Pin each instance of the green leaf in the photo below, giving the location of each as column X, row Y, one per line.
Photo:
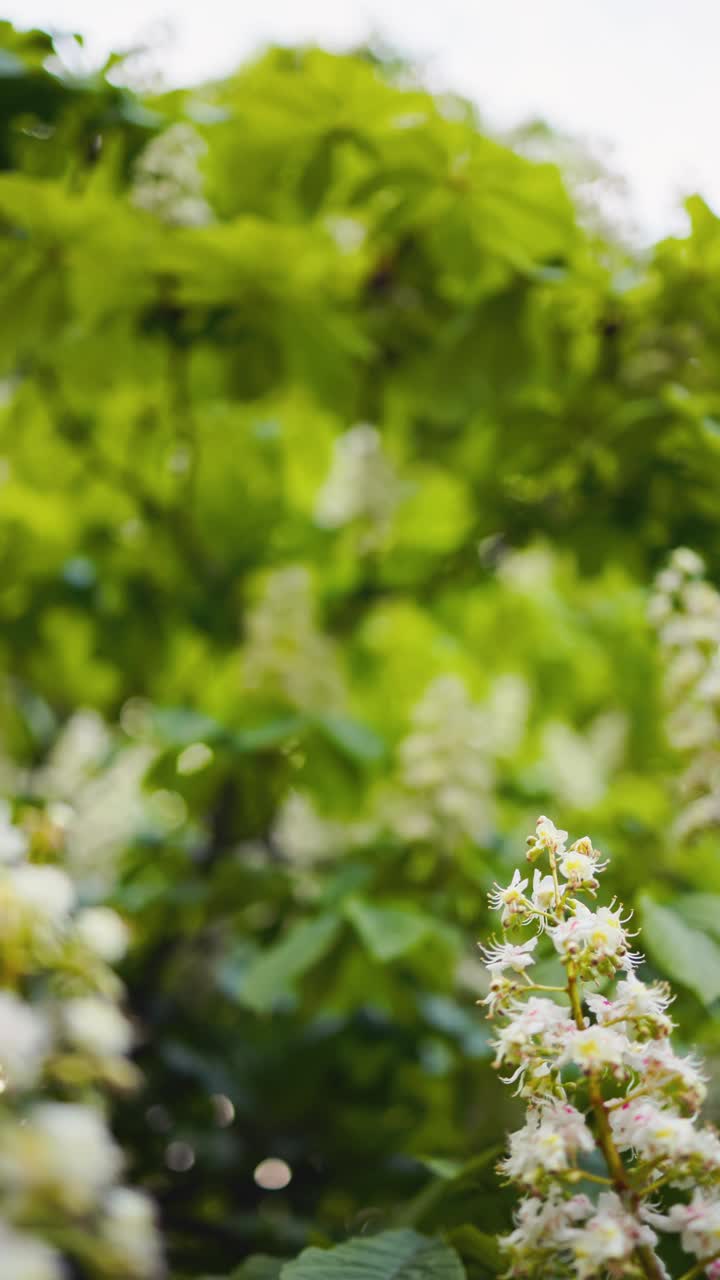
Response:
column 441, row 1167
column 388, row 932
column 702, row 910
column 180, row 726
column 392, row 1255
column 454, row 1019
column 681, row 951
column 354, row 739
column 259, row 1267
column 272, row 734
column 451, row 1177
column 273, row 973
column 317, row 176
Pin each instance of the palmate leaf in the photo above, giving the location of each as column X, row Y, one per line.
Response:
column 680, row 950
column 274, row 971
column 387, row 931
column 392, row 1255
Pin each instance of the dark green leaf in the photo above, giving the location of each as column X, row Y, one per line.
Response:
column 393, row 1255
column 274, row 972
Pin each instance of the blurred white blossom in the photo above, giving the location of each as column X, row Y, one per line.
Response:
column 40, row 897
column 286, row 656
column 168, row 180
column 62, row 1153
column 579, row 766
column 307, row 837
column 128, row 1226
column 362, row 486
column 96, row 1026
column 25, row 1040
column 103, row 931
column 304, row 835
column 95, row 795
column 83, row 743
column 528, row 571
column 61, row 1024
column 507, row 705
column 13, row 841
column 685, row 611
column 445, row 781
column 24, row 1257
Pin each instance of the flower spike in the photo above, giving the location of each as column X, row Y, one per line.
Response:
column 635, row 1102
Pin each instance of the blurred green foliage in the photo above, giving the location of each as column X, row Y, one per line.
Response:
column 203, row 294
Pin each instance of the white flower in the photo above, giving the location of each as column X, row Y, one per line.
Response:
column 598, row 937
column 285, row 653
column 24, row 1257
column 542, row 1224
column 63, row 1151
column 512, row 899
column 603, row 931
column 687, row 562
column 550, row 1140
column 45, row 892
column 168, row 179
column 128, row 1227
column 698, row 1222
column 362, row 485
column 543, row 891
column 503, row 991
column 661, row 1069
column 653, row 1132
column 568, row 936
column 539, row 1023
column 653, row 1123
column 13, row 841
column 103, row 931
column 445, row 784
column 595, row 1047
column 547, row 839
column 635, row 1003
column 96, row 1026
column 509, row 955
column 578, row 870
column 580, row 863
column 24, row 1042
column 609, row 1236
column 704, row 1152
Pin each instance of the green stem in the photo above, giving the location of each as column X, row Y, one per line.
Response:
column 581, row 1175
column 556, row 882
column 643, row 1253
column 539, row 986
column 700, row 1266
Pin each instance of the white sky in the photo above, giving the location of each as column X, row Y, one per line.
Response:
column 639, row 75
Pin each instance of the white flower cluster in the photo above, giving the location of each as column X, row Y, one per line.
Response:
column 579, row 766
column 308, row 838
column 362, row 487
column 609, row 1101
column 168, row 181
column 285, row 655
column 442, row 790
column 94, row 797
column 685, row 610
column 446, row 774
column 62, row 1034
